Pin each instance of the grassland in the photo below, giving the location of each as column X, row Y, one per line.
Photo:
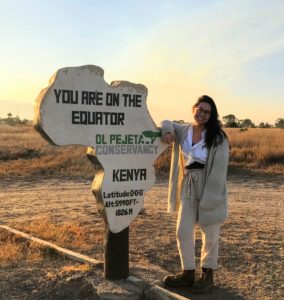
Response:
column 15, row 249
column 24, row 153
column 61, row 209
column 258, row 149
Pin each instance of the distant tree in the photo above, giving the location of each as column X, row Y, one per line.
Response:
column 264, row 125
column 10, row 120
column 25, row 121
column 279, row 123
column 246, row 123
column 230, row 121
column 17, row 120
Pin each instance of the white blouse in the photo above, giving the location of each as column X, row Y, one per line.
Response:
column 197, row 152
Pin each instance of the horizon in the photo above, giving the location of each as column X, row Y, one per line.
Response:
column 231, row 51
column 15, row 107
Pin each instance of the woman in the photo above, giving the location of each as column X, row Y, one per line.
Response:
column 198, row 177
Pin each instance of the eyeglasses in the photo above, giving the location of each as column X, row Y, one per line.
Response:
column 204, row 111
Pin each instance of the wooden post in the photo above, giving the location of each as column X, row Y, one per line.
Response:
column 116, row 245
column 116, row 254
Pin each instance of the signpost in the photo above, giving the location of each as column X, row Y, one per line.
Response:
column 79, row 107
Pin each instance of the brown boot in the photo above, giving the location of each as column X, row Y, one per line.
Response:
column 184, row 278
column 205, row 282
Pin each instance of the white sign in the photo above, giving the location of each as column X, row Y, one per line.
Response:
column 79, row 107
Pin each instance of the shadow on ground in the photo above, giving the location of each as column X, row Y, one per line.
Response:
column 216, row 293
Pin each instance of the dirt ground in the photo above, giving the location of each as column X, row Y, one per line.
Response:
column 251, row 244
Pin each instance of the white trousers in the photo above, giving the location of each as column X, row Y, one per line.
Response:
column 187, row 222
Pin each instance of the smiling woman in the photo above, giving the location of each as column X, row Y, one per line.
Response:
column 200, row 157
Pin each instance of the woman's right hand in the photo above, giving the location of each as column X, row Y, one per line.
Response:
column 167, row 138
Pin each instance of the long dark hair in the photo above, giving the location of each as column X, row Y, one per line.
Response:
column 214, row 132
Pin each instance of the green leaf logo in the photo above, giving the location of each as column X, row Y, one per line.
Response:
column 151, row 135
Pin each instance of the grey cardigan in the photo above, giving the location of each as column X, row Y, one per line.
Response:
column 213, row 205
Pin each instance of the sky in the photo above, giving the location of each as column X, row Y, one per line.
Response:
column 231, row 50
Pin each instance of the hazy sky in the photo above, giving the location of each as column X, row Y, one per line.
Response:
column 230, row 50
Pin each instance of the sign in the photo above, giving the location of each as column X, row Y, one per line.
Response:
column 79, row 107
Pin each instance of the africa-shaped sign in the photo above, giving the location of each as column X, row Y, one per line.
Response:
column 79, row 107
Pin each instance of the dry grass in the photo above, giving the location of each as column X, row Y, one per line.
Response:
column 253, row 149
column 14, row 249
column 257, row 149
column 69, row 269
column 24, row 153
column 68, row 234
column 75, row 268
